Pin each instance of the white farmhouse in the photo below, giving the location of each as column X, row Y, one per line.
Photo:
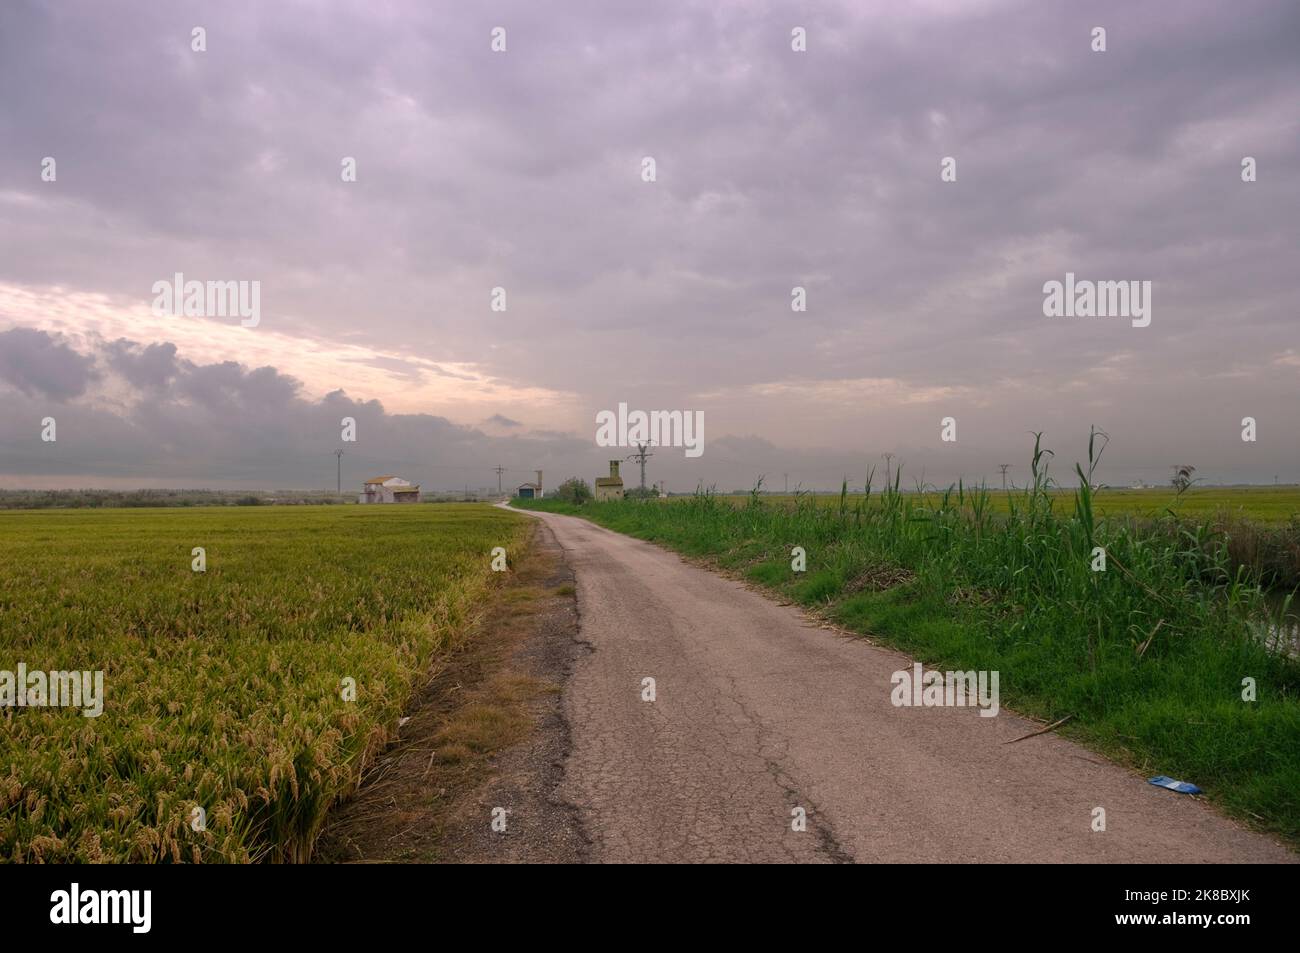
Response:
column 389, row 489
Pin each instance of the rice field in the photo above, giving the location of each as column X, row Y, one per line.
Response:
column 228, row 725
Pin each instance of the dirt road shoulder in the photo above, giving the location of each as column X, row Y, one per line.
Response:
column 485, row 742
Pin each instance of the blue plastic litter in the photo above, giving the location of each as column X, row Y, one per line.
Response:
column 1182, row 787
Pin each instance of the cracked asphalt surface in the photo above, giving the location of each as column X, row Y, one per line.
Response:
column 759, row 712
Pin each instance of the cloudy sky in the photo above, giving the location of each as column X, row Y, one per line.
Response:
column 522, row 169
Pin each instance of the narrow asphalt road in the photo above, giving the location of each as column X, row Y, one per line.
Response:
column 758, row 713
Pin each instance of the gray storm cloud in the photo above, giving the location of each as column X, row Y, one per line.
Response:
column 775, row 169
column 227, row 425
column 38, row 364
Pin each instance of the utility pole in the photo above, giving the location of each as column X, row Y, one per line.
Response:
column 1003, row 467
column 500, row 470
column 787, row 483
column 339, row 454
column 640, row 457
column 888, row 457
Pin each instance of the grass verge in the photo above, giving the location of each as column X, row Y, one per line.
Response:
column 1149, row 654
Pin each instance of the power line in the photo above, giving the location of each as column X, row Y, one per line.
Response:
column 640, row 456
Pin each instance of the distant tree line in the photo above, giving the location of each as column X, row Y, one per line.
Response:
column 101, row 499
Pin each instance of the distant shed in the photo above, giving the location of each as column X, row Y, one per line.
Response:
column 610, row 487
column 530, row 491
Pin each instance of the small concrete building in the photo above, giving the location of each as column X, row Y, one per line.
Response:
column 530, row 491
column 610, row 487
column 389, row 489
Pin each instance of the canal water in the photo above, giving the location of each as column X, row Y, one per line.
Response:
column 1281, row 632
